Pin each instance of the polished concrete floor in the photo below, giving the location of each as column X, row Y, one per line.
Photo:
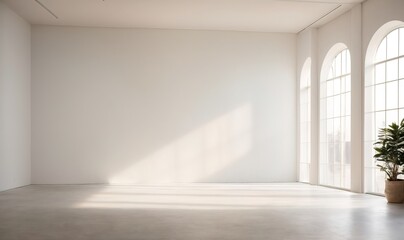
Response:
column 204, row 211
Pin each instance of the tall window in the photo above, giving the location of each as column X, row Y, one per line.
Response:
column 305, row 111
column 335, row 123
column 384, row 100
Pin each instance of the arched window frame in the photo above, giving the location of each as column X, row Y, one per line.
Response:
column 379, row 110
column 335, row 113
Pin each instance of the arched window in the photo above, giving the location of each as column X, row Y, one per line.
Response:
column 384, row 95
column 304, row 116
column 335, row 119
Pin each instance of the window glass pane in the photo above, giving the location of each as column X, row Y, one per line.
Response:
column 347, row 176
column 337, row 155
column 330, row 152
column 381, row 51
column 348, row 61
column 380, row 97
column 379, row 180
column 323, row 109
column 400, row 115
column 347, row 129
column 330, row 174
column 343, row 83
column 337, row 106
column 343, row 128
column 323, row 153
column 348, row 83
column 330, row 107
column 330, row 88
column 369, row 183
column 347, row 163
column 330, row 130
column 337, row 130
column 370, row 80
column 348, row 104
column 337, row 86
column 392, row 44
column 380, row 121
column 391, row 116
column 380, row 73
column 323, row 171
column 337, row 174
column 323, row 132
column 343, row 105
column 333, row 131
column 369, row 127
column 392, row 95
column 392, row 70
column 401, row 95
column 369, row 153
column 330, row 73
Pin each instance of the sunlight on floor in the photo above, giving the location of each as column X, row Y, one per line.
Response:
column 221, row 196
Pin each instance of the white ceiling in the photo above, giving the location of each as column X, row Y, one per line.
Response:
column 241, row 15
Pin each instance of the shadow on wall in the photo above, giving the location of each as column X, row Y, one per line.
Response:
column 197, row 155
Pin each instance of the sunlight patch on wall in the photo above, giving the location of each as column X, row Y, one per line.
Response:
column 196, row 155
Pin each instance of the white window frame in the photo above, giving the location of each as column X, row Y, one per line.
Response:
column 373, row 178
column 345, row 168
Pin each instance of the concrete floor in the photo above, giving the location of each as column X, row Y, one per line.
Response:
column 203, row 211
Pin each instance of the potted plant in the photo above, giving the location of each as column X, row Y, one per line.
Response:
column 390, row 154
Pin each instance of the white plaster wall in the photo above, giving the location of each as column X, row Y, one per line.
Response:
column 15, row 121
column 141, row 106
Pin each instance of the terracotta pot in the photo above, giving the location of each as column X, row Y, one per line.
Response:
column 394, row 191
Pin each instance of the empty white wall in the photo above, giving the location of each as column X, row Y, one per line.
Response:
column 162, row 106
column 15, row 120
